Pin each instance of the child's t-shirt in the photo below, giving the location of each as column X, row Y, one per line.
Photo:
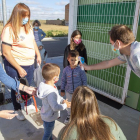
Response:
column 36, row 36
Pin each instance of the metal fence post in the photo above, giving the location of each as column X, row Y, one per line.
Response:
column 4, row 12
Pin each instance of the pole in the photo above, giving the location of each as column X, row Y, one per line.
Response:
column 4, row 12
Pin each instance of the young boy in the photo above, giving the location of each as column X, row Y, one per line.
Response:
column 72, row 77
column 52, row 102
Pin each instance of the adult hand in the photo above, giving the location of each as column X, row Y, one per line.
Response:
column 86, row 67
column 38, row 60
column 6, row 114
column 30, row 90
column 62, row 94
column 22, row 72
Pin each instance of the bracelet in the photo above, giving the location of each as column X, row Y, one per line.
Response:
column 23, row 88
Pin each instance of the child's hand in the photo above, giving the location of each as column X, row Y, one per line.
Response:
column 62, row 94
column 67, row 103
column 40, row 47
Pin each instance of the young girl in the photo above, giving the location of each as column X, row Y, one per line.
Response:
column 39, row 35
column 86, row 122
column 75, row 44
column 19, row 49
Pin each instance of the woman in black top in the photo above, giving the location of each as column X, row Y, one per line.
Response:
column 75, row 44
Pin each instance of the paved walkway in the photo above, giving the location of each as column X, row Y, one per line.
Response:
column 127, row 118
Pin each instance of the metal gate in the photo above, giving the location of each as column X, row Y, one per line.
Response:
column 94, row 18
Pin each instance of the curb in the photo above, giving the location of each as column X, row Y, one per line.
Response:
column 54, row 38
column 55, row 57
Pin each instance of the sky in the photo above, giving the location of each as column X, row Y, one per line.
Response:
column 40, row 9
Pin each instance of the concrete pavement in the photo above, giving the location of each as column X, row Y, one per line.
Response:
column 58, row 44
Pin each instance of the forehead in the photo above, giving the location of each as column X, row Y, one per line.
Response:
column 36, row 23
column 111, row 41
column 25, row 13
column 73, row 58
column 77, row 36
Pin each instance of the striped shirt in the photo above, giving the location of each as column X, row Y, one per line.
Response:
column 134, row 59
column 36, row 36
column 72, row 78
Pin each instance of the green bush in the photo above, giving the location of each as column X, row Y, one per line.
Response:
column 55, row 33
column 49, row 34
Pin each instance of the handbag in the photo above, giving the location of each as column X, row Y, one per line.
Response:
column 22, row 96
column 38, row 78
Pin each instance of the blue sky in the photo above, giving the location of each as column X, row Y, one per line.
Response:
column 41, row 9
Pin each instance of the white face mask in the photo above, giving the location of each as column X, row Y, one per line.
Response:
column 56, row 77
column 25, row 20
column 116, row 51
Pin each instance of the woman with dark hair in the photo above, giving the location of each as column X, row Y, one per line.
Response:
column 19, row 49
column 75, row 44
column 86, row 122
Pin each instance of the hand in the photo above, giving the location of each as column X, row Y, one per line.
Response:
column 62, row 94
column 38, row 60
column 30, row 90
column 86, row 67
column 40, row 47
column 6, row 114
column 22, row 72
column 67, row 103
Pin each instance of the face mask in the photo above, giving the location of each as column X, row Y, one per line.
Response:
column 24, row 20
column 36, row 27
column 116, row 51
column 55, row 80
column 77, row 41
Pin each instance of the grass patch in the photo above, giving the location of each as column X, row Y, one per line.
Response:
column 56, row 33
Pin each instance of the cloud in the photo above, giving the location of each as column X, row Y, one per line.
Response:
column 62, row 3
column 40, row 11
column 35, row 9
column 46, row 8
column 47, row 15
column 43, row 13
column 28, row 2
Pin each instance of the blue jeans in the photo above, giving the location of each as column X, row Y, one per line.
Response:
column 48, row 128
column 12, row 72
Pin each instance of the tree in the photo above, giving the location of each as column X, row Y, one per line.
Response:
column 58, row 19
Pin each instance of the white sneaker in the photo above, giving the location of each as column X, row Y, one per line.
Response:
column 67, row 120
column 20, row 115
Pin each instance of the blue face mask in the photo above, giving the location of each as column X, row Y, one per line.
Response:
column 36, row 27
column 116, row 51
column 25, row 20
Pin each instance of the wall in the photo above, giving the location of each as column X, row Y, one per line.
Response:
column 54, row 22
